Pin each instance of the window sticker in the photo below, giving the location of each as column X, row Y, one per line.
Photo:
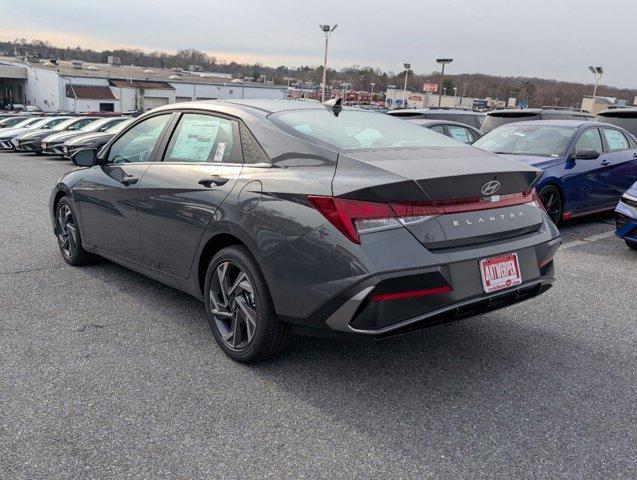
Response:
column 615, row 139
column 195, row 140
column 221, row 148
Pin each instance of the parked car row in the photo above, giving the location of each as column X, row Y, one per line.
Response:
column 587, row 163
column 59, row 135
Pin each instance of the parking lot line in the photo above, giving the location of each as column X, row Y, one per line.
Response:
column 592, row 238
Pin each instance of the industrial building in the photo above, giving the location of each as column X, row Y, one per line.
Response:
column 82, row 87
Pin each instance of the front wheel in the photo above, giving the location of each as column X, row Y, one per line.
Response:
column 240, row 309
column 631, row 244
column 551, row 198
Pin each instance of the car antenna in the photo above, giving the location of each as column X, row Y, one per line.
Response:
column 334, row 105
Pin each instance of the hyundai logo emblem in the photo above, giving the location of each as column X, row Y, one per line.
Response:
column 491, row 187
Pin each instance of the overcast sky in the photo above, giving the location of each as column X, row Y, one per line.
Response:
column 544, row 38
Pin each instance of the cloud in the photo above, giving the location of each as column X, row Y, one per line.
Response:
column 544, row 38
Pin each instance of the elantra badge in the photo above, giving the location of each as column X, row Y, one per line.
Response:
column 490, row 188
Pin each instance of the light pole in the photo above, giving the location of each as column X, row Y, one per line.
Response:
column 597, row 72
column 327, row 31
column 371, row 95
column 407, row 67
column 345, row 86
column 443, row 62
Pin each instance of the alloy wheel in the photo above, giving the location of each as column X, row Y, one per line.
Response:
column 233, row 305
column 552, row 201
column 67, row 231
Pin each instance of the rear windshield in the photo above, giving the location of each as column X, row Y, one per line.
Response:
column 627, row 121
column 496, row 119
column 535, row 140
column 353, row 129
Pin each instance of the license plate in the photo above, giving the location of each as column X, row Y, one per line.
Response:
column 500, row 272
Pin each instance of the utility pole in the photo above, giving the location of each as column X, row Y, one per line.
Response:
column 327, row 31
column 443, row 62
column 407, row 67
column 597, row 72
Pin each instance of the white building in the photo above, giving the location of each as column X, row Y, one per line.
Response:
column 76, row 86
column 394, row 99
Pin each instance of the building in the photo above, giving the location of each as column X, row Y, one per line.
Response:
column 394, row 99
column 13, row 83
column 600, row 103
column 82, row 87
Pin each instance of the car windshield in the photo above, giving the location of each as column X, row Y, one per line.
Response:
column 118, row 127
column 10, row 122
column 537, row 140
column 99, row 125
column 63, row 124
column 353, row 129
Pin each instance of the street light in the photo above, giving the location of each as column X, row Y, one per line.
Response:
column 407, row 67
column 327, row 31
column 443, row 62
column 597, row 72
column 371, row 95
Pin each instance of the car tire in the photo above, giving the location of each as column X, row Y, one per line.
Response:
column 240, row 309
column 631, row 244
column 68, row 235
column 551, row 198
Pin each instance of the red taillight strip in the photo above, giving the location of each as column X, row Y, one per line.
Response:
column 383, row 297
column 343, row 212
column 461, row 205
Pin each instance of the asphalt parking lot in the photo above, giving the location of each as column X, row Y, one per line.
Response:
column 107, row 374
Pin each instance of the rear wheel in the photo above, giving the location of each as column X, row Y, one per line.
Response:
column 552, row 200
column 68, row 235
column 631, row 244
column 240, row 310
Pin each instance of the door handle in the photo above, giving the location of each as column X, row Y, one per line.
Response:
column 214, row 180
column 605, row 162
column 129, row 180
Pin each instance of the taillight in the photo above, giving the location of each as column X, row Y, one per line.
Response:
column 354, row 217
column 535, row 200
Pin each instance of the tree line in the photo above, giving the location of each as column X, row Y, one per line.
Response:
column 537, row 91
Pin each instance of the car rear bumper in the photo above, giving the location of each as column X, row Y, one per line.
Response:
column 448, row 284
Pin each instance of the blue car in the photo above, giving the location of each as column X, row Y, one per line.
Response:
column 626, row 217
column 587, row 166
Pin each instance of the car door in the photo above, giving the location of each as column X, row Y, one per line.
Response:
column 180, row 194
column 108, row 193
column 583, row 179
column 621, row 154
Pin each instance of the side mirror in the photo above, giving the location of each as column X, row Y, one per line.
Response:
column 85, row 158
column 586, row 154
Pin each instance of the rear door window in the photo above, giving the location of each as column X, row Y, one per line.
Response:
column 615, row 140
column 204, row 138
column 438, row 128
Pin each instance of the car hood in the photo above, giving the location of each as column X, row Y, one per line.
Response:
column 432, row 173
column 534, row 160
column 33, row 134
column 62, row 136
column 89, row 137
column 13, row 132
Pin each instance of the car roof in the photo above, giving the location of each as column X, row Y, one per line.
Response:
column 559, row 123
column 437, row 121
column 455, row 111
column 536, row 111
column 629, row 112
